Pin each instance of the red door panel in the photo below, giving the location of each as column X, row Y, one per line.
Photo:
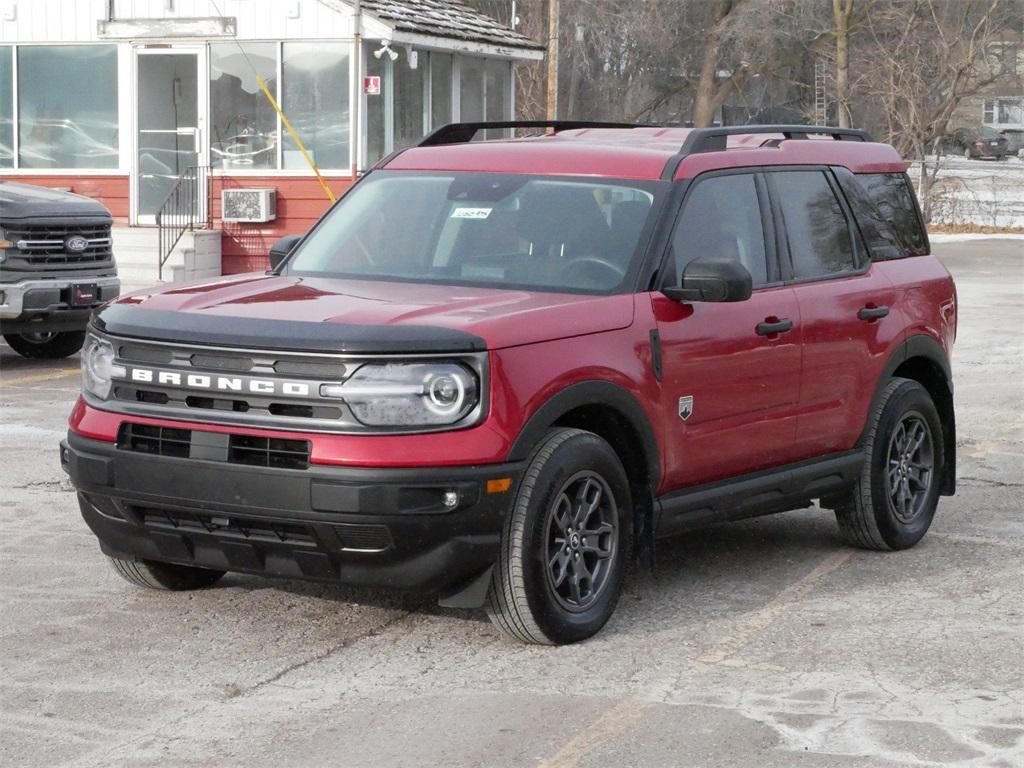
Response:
column 745, row 386
column 843, row 356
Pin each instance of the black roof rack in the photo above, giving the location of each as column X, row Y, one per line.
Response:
column 460, row 133
column 714, row 139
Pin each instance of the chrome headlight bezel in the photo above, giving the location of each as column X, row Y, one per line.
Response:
column 98, row 366
column 412, row 394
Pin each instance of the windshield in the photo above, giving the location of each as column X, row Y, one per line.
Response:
column 493, row 230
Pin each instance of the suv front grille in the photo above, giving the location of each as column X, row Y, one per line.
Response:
column 245, row 387
column 38, row 246
column 274, row 452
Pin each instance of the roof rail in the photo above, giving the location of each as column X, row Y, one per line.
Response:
column 460, row 133
column 714, row 139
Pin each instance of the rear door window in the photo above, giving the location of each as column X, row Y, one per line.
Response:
column 818, row 232
column 894, row 198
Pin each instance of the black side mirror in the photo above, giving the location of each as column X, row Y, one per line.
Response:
column 713, row 280
column 280, row 250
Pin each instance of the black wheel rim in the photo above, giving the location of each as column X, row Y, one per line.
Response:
column 911, row 467
column 582, row 537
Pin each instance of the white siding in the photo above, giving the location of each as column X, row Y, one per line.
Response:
column 70, row 21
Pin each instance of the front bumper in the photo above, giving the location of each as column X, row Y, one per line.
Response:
column 372, row 527
column 48, row 301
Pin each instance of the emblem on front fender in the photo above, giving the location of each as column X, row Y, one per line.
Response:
column 685, row 407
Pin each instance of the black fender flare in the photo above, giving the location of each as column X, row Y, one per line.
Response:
column 583, row 393
column 929, row 349
column 917, row 345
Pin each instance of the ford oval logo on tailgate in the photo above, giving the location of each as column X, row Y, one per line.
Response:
column 75, row 244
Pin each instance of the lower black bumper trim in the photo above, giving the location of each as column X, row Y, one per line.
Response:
column 371, row 527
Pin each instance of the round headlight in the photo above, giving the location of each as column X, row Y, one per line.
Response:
column 445, row 394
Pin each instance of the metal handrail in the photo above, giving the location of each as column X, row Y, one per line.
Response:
column 185, row 208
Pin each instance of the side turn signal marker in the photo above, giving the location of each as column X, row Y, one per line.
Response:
column 501, row 485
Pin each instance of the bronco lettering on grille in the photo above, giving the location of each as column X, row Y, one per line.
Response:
column 217, row 383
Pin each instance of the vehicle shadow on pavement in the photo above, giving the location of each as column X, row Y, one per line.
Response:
column 710, row 564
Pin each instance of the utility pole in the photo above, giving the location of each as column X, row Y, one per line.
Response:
column 552, row 59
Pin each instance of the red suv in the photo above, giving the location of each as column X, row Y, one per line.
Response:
column 496, row 370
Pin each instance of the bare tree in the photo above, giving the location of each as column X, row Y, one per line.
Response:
column 921, row 60
column 712, row 91
column 842, row 12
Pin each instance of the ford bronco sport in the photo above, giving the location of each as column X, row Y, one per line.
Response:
column 56, row 264
column 496, row 369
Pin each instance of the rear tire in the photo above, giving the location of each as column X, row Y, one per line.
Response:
column 893, row 503
column 566, row 542
column 44, row 345
column 168, row 576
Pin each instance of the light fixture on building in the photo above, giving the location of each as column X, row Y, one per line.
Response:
column 411, row 56
column 385, row 47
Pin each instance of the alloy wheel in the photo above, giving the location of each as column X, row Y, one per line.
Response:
column 910, row 468
column 582, row 540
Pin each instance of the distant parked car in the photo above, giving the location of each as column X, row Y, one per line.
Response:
column 980, row 142
column 1015, row 141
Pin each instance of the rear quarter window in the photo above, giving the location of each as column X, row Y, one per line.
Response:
column 893, row 198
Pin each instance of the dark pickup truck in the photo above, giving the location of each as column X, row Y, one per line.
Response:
column 56, row 264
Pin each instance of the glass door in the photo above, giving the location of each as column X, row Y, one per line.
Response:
column 168, row 126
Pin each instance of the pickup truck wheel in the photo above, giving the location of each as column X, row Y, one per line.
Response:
column 894, row 501
column 154, row 575
column 566, row 542
column 43, row 344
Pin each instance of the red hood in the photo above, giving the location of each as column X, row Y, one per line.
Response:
column 503, row 318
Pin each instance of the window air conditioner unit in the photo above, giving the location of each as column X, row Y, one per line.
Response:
column 248, row 205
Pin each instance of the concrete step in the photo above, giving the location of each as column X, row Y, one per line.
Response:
column 136, row 249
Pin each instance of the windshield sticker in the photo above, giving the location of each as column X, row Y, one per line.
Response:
column 471, row 213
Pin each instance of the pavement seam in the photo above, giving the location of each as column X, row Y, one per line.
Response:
column 756, row 622
column 612, row 723
column 33, row 377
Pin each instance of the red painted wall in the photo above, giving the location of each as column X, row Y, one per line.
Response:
column 300, row 202
column 244, row 247
column 112, row 191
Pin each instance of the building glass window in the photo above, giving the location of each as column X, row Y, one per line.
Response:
column 6, row 106
column 997, row 112
column 440, row 89
column 409, row 89
column 498, row 104
column 471, row 89
column 315, row 98
column 243, row 125
column 67, row 106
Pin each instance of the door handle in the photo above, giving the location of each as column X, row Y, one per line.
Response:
column 870, row 313
column 773, row 325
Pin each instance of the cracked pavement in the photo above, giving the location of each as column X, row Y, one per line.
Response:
column 762, row 643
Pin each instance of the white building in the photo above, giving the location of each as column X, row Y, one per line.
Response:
column 122, row 99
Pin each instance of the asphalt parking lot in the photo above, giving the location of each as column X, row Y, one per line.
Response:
column 765, row 643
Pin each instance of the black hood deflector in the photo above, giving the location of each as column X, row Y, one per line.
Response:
column 289, row 335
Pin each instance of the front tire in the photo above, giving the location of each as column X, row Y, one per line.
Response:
column 168, row 576
column 894, row 501
column 46, row 345
column 566, row 542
